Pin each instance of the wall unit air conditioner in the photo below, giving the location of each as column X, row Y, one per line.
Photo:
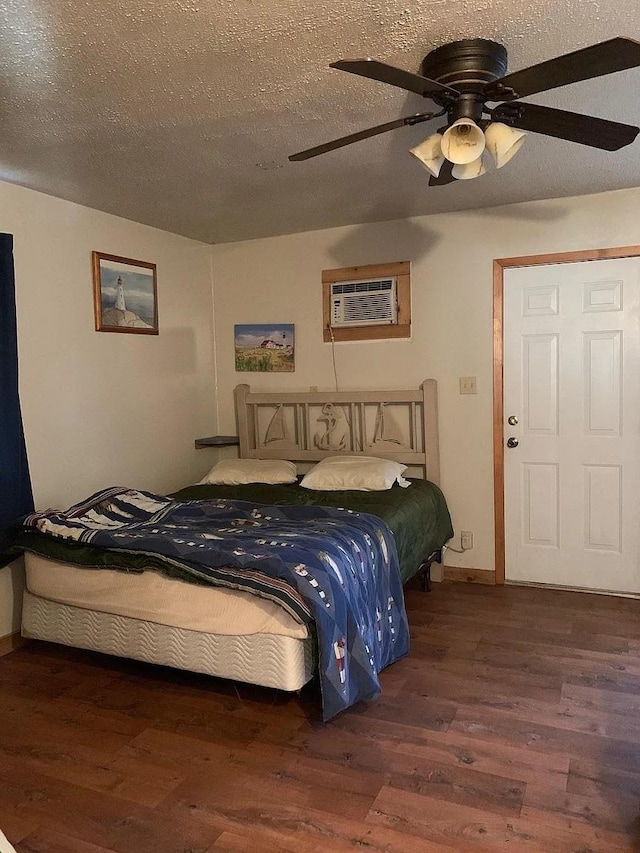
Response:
column 364, row 303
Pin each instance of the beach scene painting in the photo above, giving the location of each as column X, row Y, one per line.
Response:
column 265, row 347
column 125, row 295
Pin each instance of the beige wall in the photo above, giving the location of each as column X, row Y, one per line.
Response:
column 101, row 409
column 278, row 280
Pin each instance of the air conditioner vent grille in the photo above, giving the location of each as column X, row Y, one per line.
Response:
column 364, row 286
column 364, row 303
column 366, row 308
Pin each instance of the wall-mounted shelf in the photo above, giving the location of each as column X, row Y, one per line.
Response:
column 218, row 441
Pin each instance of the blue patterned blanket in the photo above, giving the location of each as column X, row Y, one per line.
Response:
column 340, row 567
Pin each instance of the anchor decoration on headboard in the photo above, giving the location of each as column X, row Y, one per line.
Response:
column 337, row 430
column 336, row 426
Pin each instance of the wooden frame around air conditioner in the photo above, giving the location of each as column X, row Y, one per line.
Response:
column 401, row 271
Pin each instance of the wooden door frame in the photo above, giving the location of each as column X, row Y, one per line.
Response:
column 499, row 266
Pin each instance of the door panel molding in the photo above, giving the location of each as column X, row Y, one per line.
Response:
column 546, row 348
column 499, row 266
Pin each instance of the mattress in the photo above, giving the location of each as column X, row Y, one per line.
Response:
column 271, row 660
column 152, row 597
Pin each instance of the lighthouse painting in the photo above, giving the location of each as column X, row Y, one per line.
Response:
column 264, row 347
column 125, row 295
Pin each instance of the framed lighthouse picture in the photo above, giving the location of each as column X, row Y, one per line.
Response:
column 125, row 297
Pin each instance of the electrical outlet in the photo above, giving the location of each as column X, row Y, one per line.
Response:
column 468, row 384
column 313, row 388
column 466, row 540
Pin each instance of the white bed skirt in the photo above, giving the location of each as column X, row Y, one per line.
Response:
column 285, row 663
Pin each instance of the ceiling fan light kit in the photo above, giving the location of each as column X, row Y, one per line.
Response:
column 467, row 151
column 463, row 77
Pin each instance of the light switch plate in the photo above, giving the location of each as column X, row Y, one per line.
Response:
column 468, row 384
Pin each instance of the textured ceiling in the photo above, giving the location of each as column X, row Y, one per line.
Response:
column 181, row 113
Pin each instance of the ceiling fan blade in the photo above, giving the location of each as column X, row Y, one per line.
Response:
column 445, row 176
column 575, row 127
column 616, row 54
column 375, row 70
column 361, row 134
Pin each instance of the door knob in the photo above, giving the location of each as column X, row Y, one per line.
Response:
column 512, row 420
column 512, row 442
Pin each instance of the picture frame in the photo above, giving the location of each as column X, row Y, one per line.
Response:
column 125, row 295
column 264, row 347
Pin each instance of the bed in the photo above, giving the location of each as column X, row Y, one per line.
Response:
column 127, row 611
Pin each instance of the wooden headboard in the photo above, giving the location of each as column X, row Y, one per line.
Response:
column 307, row 427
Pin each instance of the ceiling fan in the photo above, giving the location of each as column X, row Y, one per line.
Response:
column 462, row 77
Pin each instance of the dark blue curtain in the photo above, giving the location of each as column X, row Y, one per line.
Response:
column 16, row 497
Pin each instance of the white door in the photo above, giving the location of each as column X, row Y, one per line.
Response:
column 572, row 380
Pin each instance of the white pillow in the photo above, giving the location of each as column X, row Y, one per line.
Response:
column 358, row 473
column 238, row 472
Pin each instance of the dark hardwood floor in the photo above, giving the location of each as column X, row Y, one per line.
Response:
column 513, row 725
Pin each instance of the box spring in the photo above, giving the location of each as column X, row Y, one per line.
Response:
column 285, row 663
